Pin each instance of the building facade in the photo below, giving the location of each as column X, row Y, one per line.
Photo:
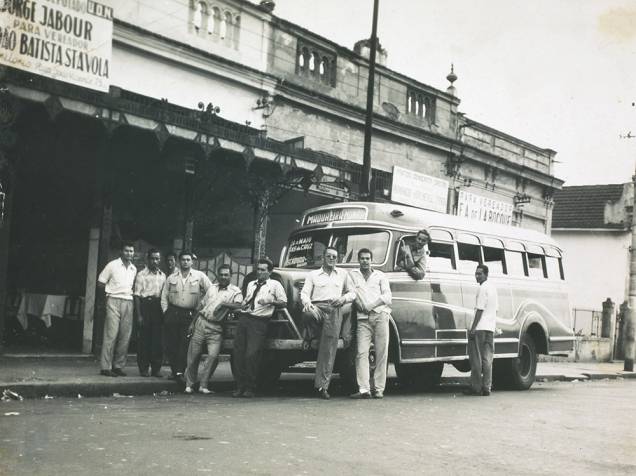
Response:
column 592, row 223
column 205, row 123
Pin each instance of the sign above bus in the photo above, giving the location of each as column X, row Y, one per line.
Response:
column 419, row 190
column 335, row 214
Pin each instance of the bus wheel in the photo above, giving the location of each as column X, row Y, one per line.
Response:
column 517, row 373
column 420, row 376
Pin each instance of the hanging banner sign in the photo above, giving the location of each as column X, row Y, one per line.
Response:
column 485, row 209
column 419, row 190
column 67, row 40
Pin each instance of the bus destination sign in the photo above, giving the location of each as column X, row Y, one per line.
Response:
column 335, row 214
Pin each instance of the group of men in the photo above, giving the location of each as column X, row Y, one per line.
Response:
column 185, row 306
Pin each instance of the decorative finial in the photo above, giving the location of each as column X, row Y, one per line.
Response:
column 452, row 77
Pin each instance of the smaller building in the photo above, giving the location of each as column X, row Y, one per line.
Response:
column 592, row 223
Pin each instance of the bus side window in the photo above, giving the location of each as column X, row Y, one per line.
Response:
column 469, row 257
column 494, row 259
column 536, row 266
column 514, row 263
column 554, row 268
column 441, row 257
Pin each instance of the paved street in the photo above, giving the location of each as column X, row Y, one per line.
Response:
column 555, row 428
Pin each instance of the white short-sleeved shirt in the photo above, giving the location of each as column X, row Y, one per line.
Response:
column 488, row 303
column 118, row 279
column 270, row 291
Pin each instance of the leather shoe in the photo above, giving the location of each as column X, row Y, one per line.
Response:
column 360, row 395
column 205, row 391
column 119, row 372
column 485, row 392
column 378, row 395
column 322, row 393
column 107, row 373
column 237, row 393
column 248, row 394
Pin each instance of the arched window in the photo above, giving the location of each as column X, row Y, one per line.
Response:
column 312, row 62
column 237, row 31
column 422, row 107
column 223, row 28
column 300, row 62
column 214, row 26
column 325, row 70
column 197, row 17
column 229, row 27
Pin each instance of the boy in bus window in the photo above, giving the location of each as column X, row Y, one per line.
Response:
column 412, row 257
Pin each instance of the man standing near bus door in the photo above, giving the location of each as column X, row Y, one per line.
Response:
column 322, row 297
column 180, row 300
column 412, row 258
column 117, row 279
column 481, row 335
column 262, row 297
column 370, row 290
column 207, row 328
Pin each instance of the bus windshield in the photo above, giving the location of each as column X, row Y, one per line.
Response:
column 305, row 249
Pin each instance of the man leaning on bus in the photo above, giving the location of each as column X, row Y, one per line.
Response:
column 370, row 290
column 481, row 335
column 322, row 297
column 412, row 258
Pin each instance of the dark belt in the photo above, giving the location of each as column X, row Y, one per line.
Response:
column 182, row 309
column 151, row 298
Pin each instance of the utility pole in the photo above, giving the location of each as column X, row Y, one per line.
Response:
column 365, row 182
column 630, row 317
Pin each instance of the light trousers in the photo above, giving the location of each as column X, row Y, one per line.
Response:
column 327, row 326
column 117, row 331
column 206, row 334
column 480, row 354
column 374, row 330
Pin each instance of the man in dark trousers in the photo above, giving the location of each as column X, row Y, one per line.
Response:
column 180, row 300
column 117, row 279
column 481, row 335
column 262, row 297
column 147, row 297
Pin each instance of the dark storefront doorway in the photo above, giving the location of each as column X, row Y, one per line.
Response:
column 52, row 208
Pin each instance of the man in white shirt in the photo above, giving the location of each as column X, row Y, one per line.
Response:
column 370, row 290
column 322, row 297
column 117, row 279
column 207, row 329
column 481, row 335
column 262, row 297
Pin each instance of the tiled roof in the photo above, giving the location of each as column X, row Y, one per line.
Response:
column 583, row 206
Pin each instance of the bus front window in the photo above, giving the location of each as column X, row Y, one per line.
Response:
column 305, row 249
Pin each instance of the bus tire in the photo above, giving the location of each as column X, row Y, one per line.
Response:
column 518, row 373
column 420, row 376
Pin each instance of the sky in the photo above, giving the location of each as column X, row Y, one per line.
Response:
column 560, row 74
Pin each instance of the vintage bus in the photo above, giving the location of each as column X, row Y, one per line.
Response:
column 430, row 317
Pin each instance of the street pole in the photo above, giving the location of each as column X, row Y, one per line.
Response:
column 630, row 317
column 365, row 181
